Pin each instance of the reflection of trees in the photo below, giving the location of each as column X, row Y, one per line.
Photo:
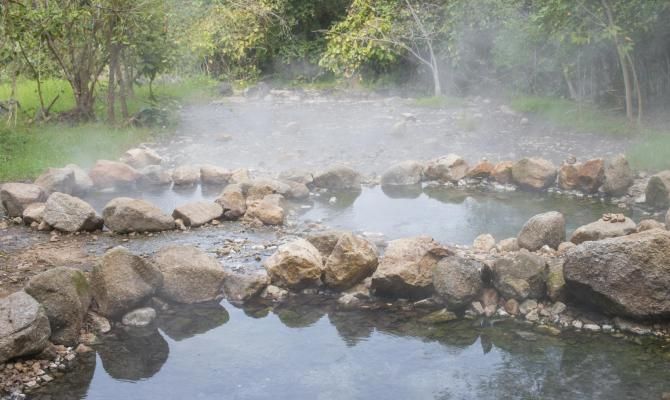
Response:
column 185, row 321
column 403, row 191
column 133, row 355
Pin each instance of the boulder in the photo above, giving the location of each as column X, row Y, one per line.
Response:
column 482, row 170
column 618, row 176
column 449, row 168
column 240, row 175
column 404, row 173
column 155, row 175
column 623, row 276
column 352, row 260
column 297, row 175
column 213, row 175
column 502, row 172
column 189, row 274
column 232, row 201
column 82, row 182
column 186, row 175
column 520, row 276
column 295, row 265
column 267, row 210
column 198, row 213
column 644, row 225
column 70, row 214
column 508, row 245
column 24, row 326
column 658, row 190
column 406, row 270
column 542, row 229
column 457, row 281
column 534, row 173
column 603, row 229
column 139, row 318
column 484, row 243
column 586, row 177
column 141, row 157
column 260, row 187
column 555, row 279
column 240, row 287
column 296, row 190
column 325, row 241
column 65, row 295
column 667, row 220
column 57, row 180
column 15, row 197
column 107, row 174
column 123, row 215
column 338, row 178
column 121, row 281
column 33, row 213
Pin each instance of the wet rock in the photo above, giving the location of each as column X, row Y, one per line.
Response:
column 297, row 175
column 542, row 229
column 274, row 293
column 121, row 281
column 124, row 215
column 57, row 180
column 82, row 182
column 70, row 214
column 404, row 173
column 352, row 259
column 512, row 307
column 520, row 276
column 534, row 173
column 107, row 174
column 24, row 326
column 406, row 270
column 502, row 172
column 269, row 210
column 15, row 197
column 438, row 317
column 338, row 178
column 155, row 175
column 481, row 170
column 295, row 265
column 241, row 287
column 213, row 175
column 189, row 275
column 33, row 213
column 527, row 306
column 626, row 276
column 603, row 229
column 658, row 190
column 232, row 201
column 141, row 157
column 186, row 175
column 297, row 191
column 98, row 323
column 65, row 295
column 457, row 281
column 484, row 243
column 586, row 177
column 644, row 225
column 449, row 168
column 555, row 279
column 261, row 187
column 139, row 318
column 198, row 213
column 618, row 176
column 325, row 241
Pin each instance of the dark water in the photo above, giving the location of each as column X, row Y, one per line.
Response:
column 315, row 351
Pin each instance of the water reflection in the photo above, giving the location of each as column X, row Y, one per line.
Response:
column 185, row 321
column 133, row 355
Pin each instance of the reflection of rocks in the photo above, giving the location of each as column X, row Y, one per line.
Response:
column 133, row 355
column 353, row 327
column 185, row 321
column 445, row 196
column 403, row 192
column 343, row 199
column 298, row 315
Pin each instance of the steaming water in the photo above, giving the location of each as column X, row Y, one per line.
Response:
column 314, row 351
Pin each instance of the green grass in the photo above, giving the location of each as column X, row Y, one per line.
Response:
column 439, row 102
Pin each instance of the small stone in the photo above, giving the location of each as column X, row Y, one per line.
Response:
column 533, row 316
column 527, row 306
column 577, row 324
column 82, row 348
column 477, row 308
column 512, row 306
column 558, row 308
column 140, row 317
column 591, row 327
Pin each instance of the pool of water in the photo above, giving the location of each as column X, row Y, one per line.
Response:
column 308, row 350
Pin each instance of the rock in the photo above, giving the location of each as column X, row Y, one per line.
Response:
column 348, row 300
column 555, row 280
column 120, row 281
column 297, row 175
column 644, row 225
column 82, row 182
column 186, row 175
column 489, row 297
column 232, row 201
column 124, row 215
column 587, row 176
column 482, row 170
column 33, row 213
column 603, row 229
column 98, row 323
column 139, row 318
column 534, row 173
column 24, row 326
column 241, row 287
column 457, row 281
column 406, row 270
column 295, row 265
column 512, row 307
column 352, row 259
column 65, row 295
column 297, row 191
column 527, row 306
column 667, row 220
column 261, row 187
column 239, row 176
column 155, row 175
column 213, row 175
column 338, row 178
column 449, row 168
column 508, row 245
column 198, row 213
column 542, row 229
column 57, row 180
column 189, row 274
column 477, row 308
column 107, row 174
column 558, row 308
column 624, row 276
column 618, row 176
column 564, row 247
column 141, row 157
column 502, row 172
column 70, row 214
column 438, row 317
column 520, row 276
column 484, row 243
column 404, row 173
column 325, row 241
column 274, row 293
column 269, row 210
column 15, row 197
column 658, row 190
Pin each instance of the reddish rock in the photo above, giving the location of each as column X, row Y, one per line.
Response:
column 106, row 174
column 502, row 172
column 481, row 171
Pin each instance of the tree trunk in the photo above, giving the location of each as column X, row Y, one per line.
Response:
column 122, row 91
column 628, row 90
column 111, row 87
column 638, row 91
